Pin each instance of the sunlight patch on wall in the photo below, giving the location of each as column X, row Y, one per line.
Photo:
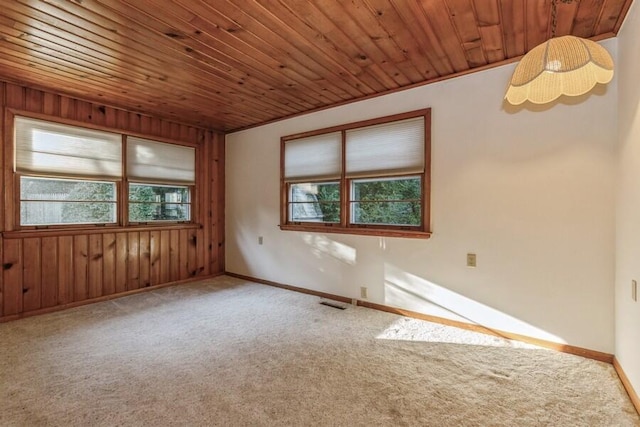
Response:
column 414, row 293
column 322, row 246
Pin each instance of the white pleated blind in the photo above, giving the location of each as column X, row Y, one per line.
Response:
column 313, row 158
column 386, row 149
column 62, row 150
column 153, row 161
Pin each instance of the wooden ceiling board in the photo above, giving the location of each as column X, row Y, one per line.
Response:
column 93, row 43
column 232, row 64
column 204, row 59
column 358, row 47
column 325, row 35
column 221, row 59
column 566, row 18
column 611, row 12
column 226, row 77
column 425, row 39
column 538, row 25
column 269, row 32
column 440, row 20
column 587, row 17
column 413, row 51
column 468, row 29
column 489, row 25
column 514, row 29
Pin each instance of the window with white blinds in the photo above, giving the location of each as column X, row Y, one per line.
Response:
column 53, row 149
column 71, row 175
column 153, row 161
column 314, row 158
column 150, row 164
column 386, row 149
column 371, row 175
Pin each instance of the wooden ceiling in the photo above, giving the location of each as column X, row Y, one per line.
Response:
column 231, row 64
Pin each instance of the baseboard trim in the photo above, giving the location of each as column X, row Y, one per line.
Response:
column 627, row 384
column 564, row 348
column 102, row 299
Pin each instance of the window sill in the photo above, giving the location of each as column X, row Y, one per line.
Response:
column 98, row 229
column 362, row 231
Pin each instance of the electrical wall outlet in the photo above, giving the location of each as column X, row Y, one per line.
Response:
column 634, row 290
column 260, row 240
column 363, row 292
column 471, row 260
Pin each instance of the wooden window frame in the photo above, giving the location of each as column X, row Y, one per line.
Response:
column 345, row 226
column 122, row 183
column 191, row 189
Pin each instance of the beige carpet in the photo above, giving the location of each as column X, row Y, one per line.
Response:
column 232, row 353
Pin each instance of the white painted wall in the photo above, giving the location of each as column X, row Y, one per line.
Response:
column 628, row 198
column 531, row 192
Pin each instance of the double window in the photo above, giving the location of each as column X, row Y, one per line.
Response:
column 363, row 178
column 73, row 175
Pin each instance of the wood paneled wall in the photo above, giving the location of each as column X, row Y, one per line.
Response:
column 43, row 270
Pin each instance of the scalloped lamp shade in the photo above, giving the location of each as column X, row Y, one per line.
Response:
column 564, row 65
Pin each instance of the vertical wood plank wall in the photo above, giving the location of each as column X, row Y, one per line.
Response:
column 47, row 269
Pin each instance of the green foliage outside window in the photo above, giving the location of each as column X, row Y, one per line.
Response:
column 141, row 212
column 394, row 201
column 63, row 201
column 158, row 203
column 387, row 201
column 93, row 192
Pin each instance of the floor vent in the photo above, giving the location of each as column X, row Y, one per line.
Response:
column 334, row 305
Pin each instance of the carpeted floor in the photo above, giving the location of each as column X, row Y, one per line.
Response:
column 232, row 353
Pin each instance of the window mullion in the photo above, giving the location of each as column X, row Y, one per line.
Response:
column 345, row 194
column 426, row 174
column 123, row 194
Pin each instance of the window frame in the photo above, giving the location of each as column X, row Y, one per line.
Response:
column 121, row 182
column 190, row 188
column 346, row 226
column 117, row 187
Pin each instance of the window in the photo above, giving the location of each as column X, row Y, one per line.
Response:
column 389, row 201
column 73, row 175
column 160, row 179
column 67, row 174
column 149, row 202
column 363, row 178
column 54, row 201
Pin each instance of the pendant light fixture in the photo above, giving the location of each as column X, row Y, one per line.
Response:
column 566, row 65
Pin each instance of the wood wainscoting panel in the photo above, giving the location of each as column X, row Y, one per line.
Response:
column 12, row 277
column 108, row 263
column 65, row 270
column 80, row 267
column 96, row 264
column 48, row 269
column 31, row 274
column 145, row 259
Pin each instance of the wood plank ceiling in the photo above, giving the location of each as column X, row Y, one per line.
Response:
column 231, row 64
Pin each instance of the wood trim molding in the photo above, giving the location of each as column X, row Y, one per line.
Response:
column 376, row 232
column 564, row 348
column 56, row 231
column 627, row 384
column 290, row 288
column 102, row 299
